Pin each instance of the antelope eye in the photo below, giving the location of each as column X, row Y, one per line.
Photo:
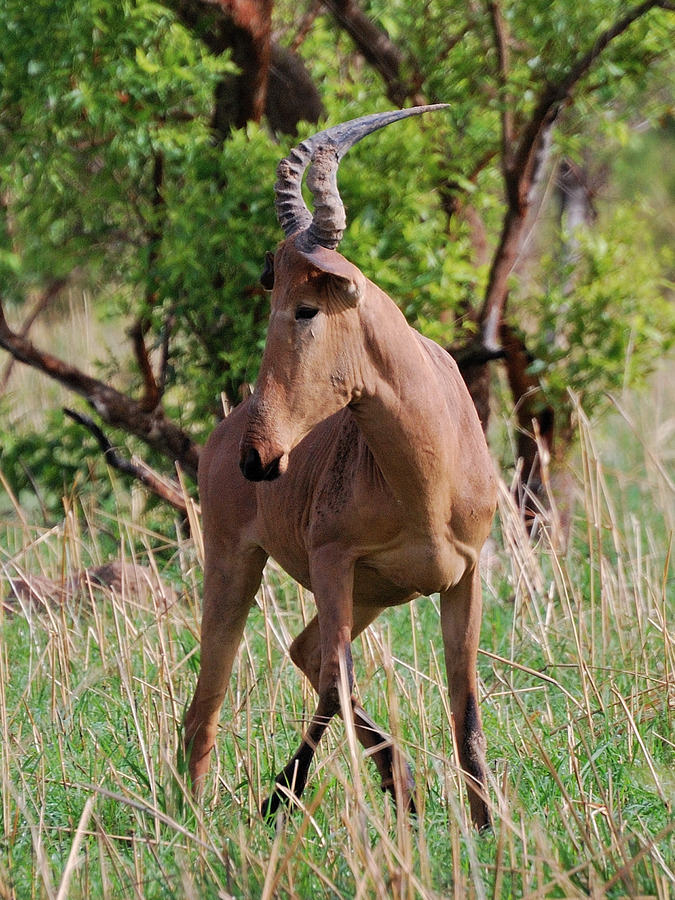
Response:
column 305, row 312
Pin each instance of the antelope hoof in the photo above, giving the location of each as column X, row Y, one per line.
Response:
column 271, row 806
column 483, row 822
column 403, row 791
column 288, row 789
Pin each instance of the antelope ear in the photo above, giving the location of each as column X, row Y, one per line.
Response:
column 267, row 276
column 345, row 282
column 346, row 291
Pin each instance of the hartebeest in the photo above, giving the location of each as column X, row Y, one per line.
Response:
column 365, row 476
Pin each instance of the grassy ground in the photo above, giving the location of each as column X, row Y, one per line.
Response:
column 577, row 679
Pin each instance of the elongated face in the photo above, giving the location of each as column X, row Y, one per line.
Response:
column 311, row 364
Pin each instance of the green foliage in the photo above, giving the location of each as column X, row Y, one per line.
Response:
column 109, row 169
column 89, row 93
column 61, row 466
column 219, row 221
column 42, row 469
column 612, row 324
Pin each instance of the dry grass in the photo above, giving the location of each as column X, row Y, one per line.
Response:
column 578, row 696
column 71, row 331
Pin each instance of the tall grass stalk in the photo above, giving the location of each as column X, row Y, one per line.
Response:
column 578, row 696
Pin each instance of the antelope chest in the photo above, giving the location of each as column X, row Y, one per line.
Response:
column 420, row 563
column 392, row 559
column 333, row 493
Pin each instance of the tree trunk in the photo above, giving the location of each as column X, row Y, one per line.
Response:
column 523, row 157
column 271, row 80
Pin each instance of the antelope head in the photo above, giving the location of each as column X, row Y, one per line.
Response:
column 311, row 364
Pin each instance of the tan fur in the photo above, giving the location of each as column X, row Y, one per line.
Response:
column 386, row 491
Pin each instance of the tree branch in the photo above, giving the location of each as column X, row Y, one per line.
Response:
column 243, row 28
column 166, row 489
column 271, row 79
column 379, row 50
column 452, row 40
column 502, row 46
column 164, row 358
column 51, row 291
column 115, row 408
column 152, row 393
column 556, row 93
column 305, row 25
column 535, row 417
column 584, row 63
column 522, row 173
column 137, row 332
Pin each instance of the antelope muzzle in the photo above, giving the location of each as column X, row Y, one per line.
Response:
column 253, row 468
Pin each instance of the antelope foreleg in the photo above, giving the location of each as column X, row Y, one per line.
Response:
column 395, row 773
column 229, row 589
column 332, row 582
column 291, row 781
column 460, row 623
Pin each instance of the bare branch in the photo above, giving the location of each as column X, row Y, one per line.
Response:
column 499, row 29
column 51, row 291
column 380, row 51
column 166, row 489
column 115, row 408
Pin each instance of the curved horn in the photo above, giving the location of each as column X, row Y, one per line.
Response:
column 324, row 151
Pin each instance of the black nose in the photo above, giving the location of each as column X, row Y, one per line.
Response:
column 253, row 469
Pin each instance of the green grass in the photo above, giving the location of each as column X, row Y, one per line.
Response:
column 577, row 678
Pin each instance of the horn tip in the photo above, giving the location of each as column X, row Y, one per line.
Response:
column 429, row 107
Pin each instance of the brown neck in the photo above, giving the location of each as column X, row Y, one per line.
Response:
column 401, row 408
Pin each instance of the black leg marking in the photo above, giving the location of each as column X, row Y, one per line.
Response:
column 473, row 759
column 293, row 778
